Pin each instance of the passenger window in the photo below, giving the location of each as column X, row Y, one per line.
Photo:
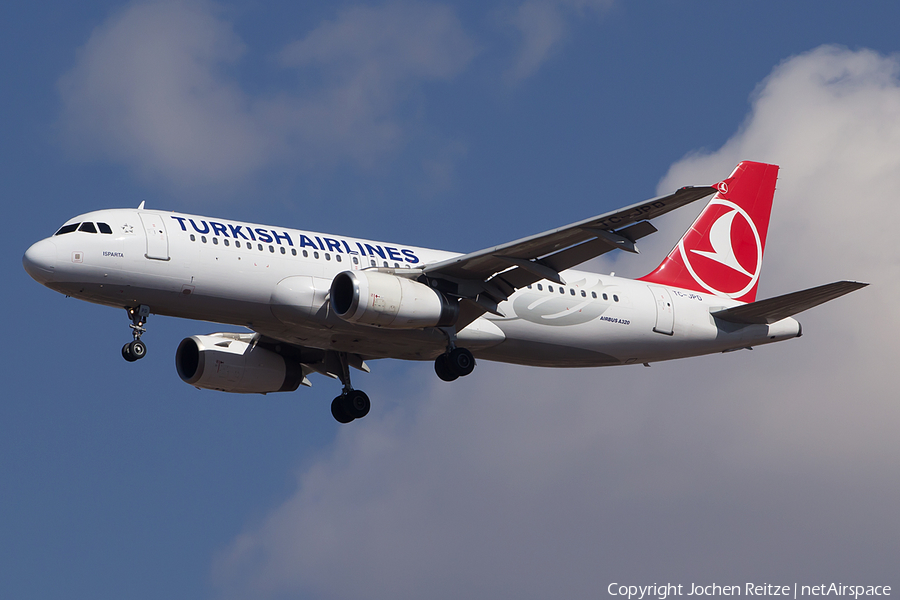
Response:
column 327, row 256
column 193, row 238
column 594, row 295
column 259, row 247
column 215, row 241
column 272, row 249
column 373, row 262
column 549, row 288
column 237, row 243
column 337, row 257
column 396, row 265
column 615, row 298
column 571, row 291
column 540, row 288
column 305, row 254
column 104, row 228
column 562, row 290
column 385, row 263
column 203, row 238
column 87, row 227
column 315, row 255
column 227, row 243
column 605, row 297
column 294, row 251
column 355, row 261
column 529, row 287
column 583, row 294
column 67, row 229
column 283, row 251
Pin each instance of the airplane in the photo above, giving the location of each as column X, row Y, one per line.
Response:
column 319, row 303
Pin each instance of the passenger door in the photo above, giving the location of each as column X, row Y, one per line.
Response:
column 157, row 240
column 665, row 312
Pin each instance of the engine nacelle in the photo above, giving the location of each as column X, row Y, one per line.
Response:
column 385, row 300
column 218, row 362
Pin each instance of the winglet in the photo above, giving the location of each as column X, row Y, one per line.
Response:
column 141, row 205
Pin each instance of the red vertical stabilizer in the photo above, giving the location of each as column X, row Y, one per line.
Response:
column 722, row 251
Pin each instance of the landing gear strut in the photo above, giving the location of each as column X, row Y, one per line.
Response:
column 455, row 362
column 136, row 350
column 351, row 404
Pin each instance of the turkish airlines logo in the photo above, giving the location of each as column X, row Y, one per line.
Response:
column 725, row 256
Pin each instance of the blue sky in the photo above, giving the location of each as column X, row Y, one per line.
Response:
column 456, row 126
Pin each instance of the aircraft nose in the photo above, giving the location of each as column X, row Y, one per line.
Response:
column 40, row 260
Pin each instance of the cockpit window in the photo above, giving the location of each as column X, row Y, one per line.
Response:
column 87, row 227
column 67, row 228
column 104, row 228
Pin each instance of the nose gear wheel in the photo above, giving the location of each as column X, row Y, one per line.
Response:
column 133, row 351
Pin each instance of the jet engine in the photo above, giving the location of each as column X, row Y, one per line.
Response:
column 229, row 364
column 385, row 300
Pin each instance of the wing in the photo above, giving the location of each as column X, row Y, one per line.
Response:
column 311, row 360
column 775, row 309
column 487, row 277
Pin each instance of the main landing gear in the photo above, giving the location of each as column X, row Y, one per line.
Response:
column 354, row 404
column 351, row 404
column 455, row 363
column 136, row 350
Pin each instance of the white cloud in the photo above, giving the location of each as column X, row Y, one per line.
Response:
column 155, row 88
column 543, row 25
column 831, row 119
column 369, row 57
column 777, row 464
column 151, row 89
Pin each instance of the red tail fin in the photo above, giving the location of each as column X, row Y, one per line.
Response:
column 722, row 252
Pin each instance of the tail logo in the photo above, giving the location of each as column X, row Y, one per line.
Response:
column 724, row 258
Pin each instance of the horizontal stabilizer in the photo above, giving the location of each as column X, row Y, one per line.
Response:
column 775, row 309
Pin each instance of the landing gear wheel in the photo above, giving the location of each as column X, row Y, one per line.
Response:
column 355, row 403
column 337, row 411
column 461, row 362
column 442, row 368
column 352, row 404
column 137, row 349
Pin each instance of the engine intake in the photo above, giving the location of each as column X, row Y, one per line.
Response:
column 385, row 300
column 217, row 362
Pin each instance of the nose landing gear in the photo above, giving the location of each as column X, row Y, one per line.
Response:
column 136, row 350
column 133, row 351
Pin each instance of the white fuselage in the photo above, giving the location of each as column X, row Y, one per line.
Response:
column 276, row 281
